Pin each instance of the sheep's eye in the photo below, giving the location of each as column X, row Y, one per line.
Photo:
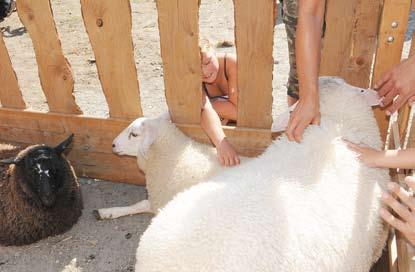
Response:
column 362, row 91
column 133, row 134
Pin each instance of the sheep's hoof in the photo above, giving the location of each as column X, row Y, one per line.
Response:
column 96, row 214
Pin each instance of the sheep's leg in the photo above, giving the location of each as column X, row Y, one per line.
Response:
column 115, row 212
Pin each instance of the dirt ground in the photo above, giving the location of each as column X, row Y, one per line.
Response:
column 110, row 245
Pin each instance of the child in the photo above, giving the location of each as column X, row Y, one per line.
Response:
column 304, row 24
column 406, row 209
column 220, row 99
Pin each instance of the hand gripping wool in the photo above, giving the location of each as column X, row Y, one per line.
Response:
column 298, row 207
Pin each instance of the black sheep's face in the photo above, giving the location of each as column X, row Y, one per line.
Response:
column 44, row 169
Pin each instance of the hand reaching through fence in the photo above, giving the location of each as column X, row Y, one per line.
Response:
column 399, row 83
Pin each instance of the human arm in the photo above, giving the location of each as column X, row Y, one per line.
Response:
column 397, row 82
column 405, row 209
column 211, row 124
column 308, row 52
column 386, row 158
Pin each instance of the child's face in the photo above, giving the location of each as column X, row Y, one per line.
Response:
column 210, row 66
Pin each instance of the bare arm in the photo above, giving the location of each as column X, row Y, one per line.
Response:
column 308, row 53
column 211, row 124
column 385, row 159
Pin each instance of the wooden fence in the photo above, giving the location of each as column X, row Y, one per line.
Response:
column 363, row 39
column 355, row 48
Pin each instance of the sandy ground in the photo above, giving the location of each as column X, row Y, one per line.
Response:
column 110, row 245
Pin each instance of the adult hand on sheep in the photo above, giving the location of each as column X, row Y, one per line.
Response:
column 307, row 112
column 226, row 154
column 398, row 82
column 405, row 209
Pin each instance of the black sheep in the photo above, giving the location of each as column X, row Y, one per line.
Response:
column 39, row 194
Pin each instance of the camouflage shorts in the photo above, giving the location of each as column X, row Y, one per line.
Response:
column 290, row 15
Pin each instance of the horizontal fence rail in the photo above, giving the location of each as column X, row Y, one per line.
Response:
column 351, row 40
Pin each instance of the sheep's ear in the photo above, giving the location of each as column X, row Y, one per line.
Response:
column 12, row 160
column 60, row 148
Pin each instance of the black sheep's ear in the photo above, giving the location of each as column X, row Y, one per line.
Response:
column 12, row 160
column 60, row 148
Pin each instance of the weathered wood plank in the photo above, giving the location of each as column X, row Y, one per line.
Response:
column 108, row 24
column 54, row 70
column 179, row 33
column 247, row 141
column 91, row 153
column 10, row 94
column 390, row 44
column 350, row 40
column 254, row 35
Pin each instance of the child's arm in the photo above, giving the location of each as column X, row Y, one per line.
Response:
column 385, row 159
column 211, row 124
column 308, row 51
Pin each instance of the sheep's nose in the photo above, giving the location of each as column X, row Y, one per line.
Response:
column 113, row 145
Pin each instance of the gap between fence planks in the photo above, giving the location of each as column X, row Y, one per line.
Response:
column 254, row 36
column 109, row 24
column 10, row 94
column 178, row 22
column 54, row 70
column 91, row 153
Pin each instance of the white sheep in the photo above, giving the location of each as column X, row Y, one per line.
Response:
column 171, row 161
column 298, row 207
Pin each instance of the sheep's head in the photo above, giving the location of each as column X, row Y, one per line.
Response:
column 42, row 170
column 136, row 139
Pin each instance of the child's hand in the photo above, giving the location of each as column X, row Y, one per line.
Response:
column 405, row 221
column 226, row 154
column 367, row 155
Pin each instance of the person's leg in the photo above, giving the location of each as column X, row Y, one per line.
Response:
column 290, row 8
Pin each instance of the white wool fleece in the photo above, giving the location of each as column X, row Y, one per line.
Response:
column 298, row 207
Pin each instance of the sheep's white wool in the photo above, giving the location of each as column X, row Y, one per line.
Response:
column 298, row 207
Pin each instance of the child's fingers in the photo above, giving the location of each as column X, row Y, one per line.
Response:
column 397, row 207
column 392, row 220
column 403, row 195
column 410, row 181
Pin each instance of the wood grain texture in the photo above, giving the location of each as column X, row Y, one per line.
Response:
column 254, row 36
column 178, row 22
column 247, row 141
column 54, row 70
column 389, row 53
column 91, row 152
column 109, row 24
column 10, row 94
column 350, row 40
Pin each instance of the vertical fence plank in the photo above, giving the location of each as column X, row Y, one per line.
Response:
column 350, row 40
column 10, row 95
column 109, row 24
column 390, row 44
column 179, row 33
column 254, row 35
column 54, row 70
